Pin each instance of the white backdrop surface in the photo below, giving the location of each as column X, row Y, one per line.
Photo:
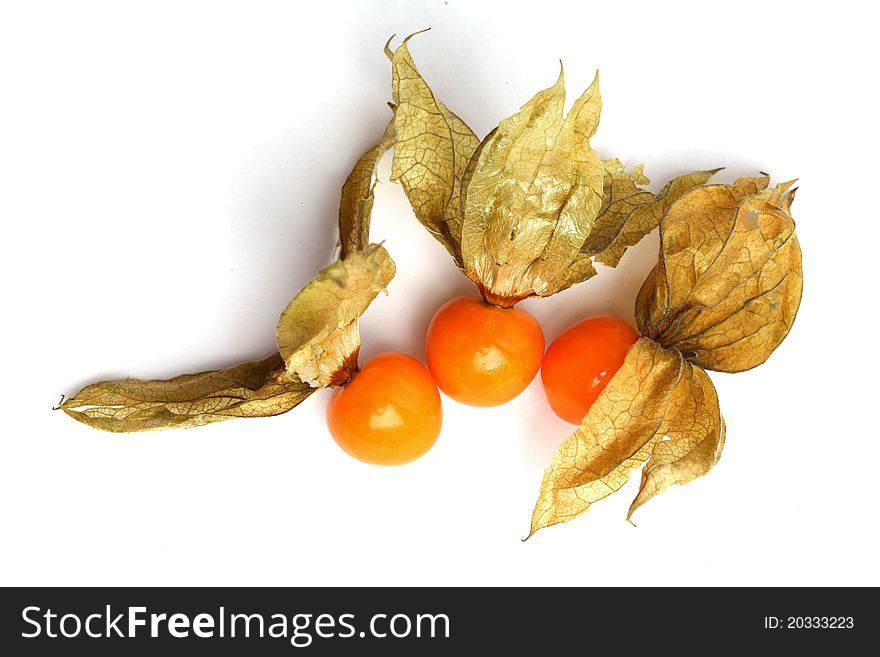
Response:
column 169, row 178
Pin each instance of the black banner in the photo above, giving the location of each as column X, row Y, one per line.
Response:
column 406, row 621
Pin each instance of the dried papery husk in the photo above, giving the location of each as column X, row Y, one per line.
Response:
column 728, row 284
column 723, row 296
column 629, row 212
column 318, row 339
column 527, row 210
column 258, row 389
column 431, row 153
column 691, row 439
column 320, row 352
column 318, row 331
column 356, row 202
column 535, row 188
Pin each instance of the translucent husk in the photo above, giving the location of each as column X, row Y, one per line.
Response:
column 526, row 211
column 723, row 296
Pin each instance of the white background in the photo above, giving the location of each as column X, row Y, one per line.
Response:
column 170, row 179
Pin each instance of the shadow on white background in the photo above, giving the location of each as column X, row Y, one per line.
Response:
column 171, row 178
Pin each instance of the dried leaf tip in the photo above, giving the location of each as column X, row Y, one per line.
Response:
column 387, row 49
column 318, row 333
column 389, row 53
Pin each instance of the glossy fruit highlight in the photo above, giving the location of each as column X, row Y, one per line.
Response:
column 389, row 413
column 580, row 362
column 483, row 355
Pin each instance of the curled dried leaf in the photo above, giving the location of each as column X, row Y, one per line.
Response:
column 617, row 435
column 657, row 410
column 524, row 212
column 630, row 212
column 259, row 389
column 356, row 204
column 318, row 331
column 533, row 191
column 692, row 437
column 728, row 284
column 431, row 153
column 621, row 195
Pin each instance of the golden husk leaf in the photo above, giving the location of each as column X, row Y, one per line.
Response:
column 526, row 211
column 621, row 195
column 317, row 335
column 723, row 296
column 728, row 284
column 356, row 203
column 630, row 212
column 691, row 439
column 535, row 189
column 259, row 389
column 659, row 409
column 616, row 435
column 324, row 348
column 431, row 153
column 318, row 331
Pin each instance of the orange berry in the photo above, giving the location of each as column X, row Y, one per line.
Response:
column 389, row 413
column 581, row 361
column 481, row 354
